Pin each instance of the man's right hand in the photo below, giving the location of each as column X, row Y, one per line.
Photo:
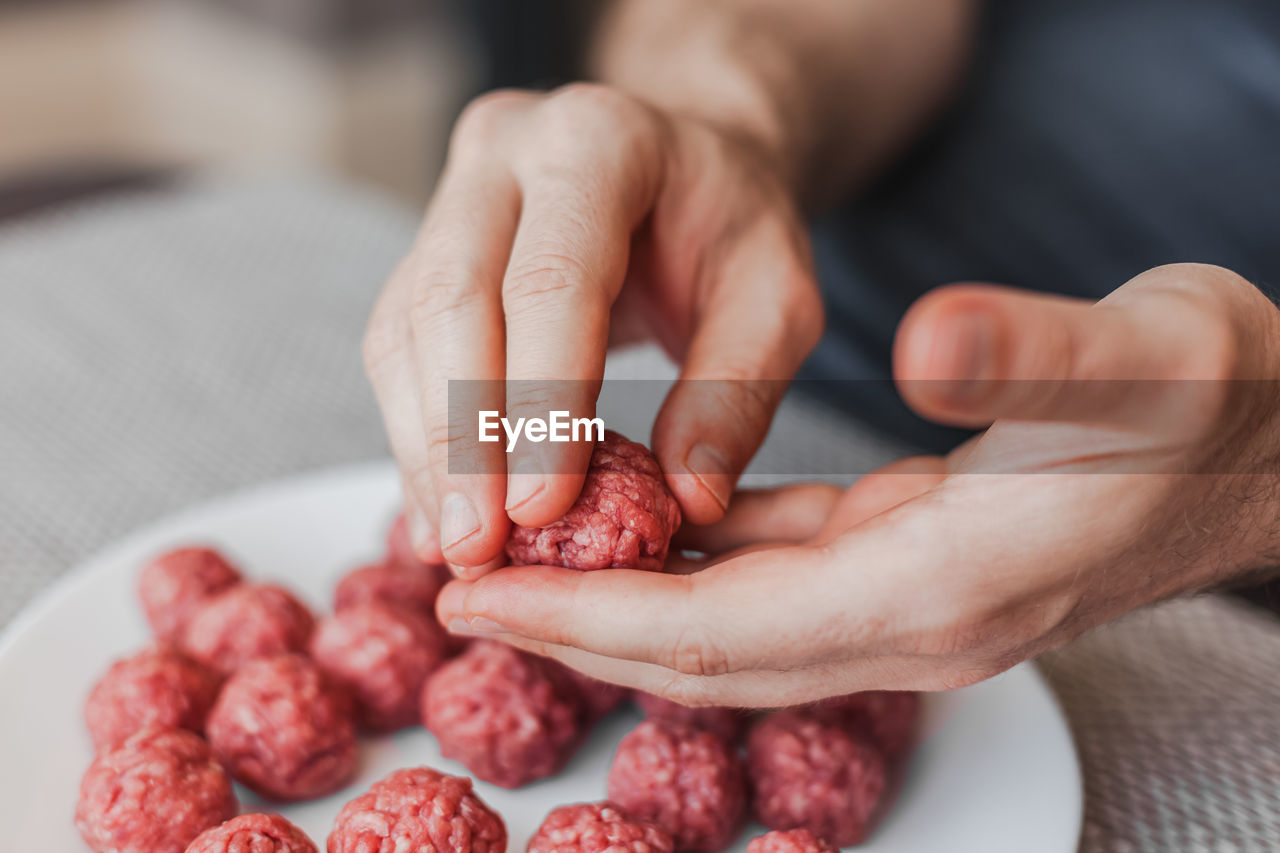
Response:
column 564, row 222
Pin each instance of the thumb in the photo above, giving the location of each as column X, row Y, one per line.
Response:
column 1147, row 354
column 760, row 318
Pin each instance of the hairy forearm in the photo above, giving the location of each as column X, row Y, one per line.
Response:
column 830, row 88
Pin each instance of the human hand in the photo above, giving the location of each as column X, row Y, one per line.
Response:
column 562, row 223
column 1088, row 496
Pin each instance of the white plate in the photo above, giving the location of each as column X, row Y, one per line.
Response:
column 996, row 770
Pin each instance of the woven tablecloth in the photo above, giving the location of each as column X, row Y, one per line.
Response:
column 159, row 349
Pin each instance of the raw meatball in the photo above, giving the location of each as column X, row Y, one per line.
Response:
column 247, row 622
column 508, row 716
column 174, row 585
column 624, row 518
column 687, row 781
column 792, row 841
column 728, row 723
column 889, row 717
column 419, row 810
column 382, row 655
column 598, row 697
column 814, row 774
column 412, row 587
column 597, row 828
column 153, row 793
column 253, row 833
column 154, row 687
column 284, row 730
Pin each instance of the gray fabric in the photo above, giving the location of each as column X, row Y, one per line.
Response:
column 161, row 349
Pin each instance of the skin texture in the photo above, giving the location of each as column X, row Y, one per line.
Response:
column 660, row 204
column 281, row 728
column 174, row 585
column 253, row 833
column 154, row 687
column 153, row 793
column 1082, row 500
column 421, row 810
column 597, row 828
column 1085, row 496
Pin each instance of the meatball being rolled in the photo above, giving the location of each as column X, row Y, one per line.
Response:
column 623, row 519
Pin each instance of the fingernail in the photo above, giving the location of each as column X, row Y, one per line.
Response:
column 481, row 625
column 711, row 468
column 964, row 353
column 458, row 519
column 524, row 482
column 458, row 625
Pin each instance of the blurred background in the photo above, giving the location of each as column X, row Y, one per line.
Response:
column 98, row 92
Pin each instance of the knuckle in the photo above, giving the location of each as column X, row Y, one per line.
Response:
column 547, row 274
column 967, row 674
column 694, row 653
column 482, row 119
column 590, row 102
column 437, row 295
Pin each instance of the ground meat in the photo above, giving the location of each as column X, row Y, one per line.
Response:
column 508, row 716
column 413, row 587
column 419, row 810
column 729, row 723
column 889, row 717
column 175, row 584
column 154, row 687
column 814, row 774
column 624, row 518
column 153, row 793
column 598, row 697
column 687, row 781
column 791, row 841
column 247, row 622
column 597, row 828
column 382, row 655
column 253, row 833
column 284, row 730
